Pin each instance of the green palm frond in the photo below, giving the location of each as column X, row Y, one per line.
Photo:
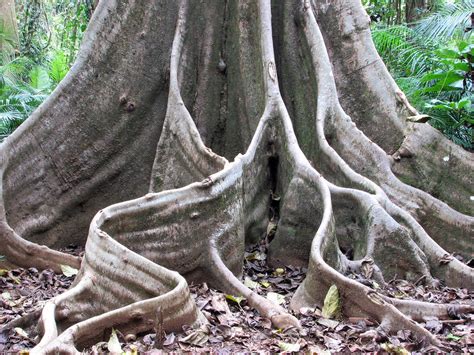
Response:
column 447, row 23
column 22, row 89
column 402, row 49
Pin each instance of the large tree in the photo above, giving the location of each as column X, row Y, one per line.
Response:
column 162, row 102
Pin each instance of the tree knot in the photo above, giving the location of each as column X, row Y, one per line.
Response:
column 127, row 105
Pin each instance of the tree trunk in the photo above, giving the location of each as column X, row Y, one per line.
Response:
column 9, row 28
column 164, row 99
column 413, row 10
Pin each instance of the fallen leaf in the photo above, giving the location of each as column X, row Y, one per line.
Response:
column 276, row 297
column 289, row 347
column 392, row 349
column 328, row 323
column 170, row 338
column 3, row 272
column 236, row 299
column 453, row 337
column 199, row 337
column 133, row 350
column 68, row 271
column 271, row 228
column 13, row 277
column 265, row 284
column 113, row 345
column 316, row 349
column 332, row 303
column 369, row 334
column 219, row 304
column 7, row 297
column 279, row 271
column 367, row 268
column 256, row 256
column 250, row 283
column 21, row 333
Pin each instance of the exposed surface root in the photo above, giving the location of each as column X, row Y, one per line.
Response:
column 238, row 327
column 23, row 253
column 141, row 253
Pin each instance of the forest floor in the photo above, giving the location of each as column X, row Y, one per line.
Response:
column 235, row 327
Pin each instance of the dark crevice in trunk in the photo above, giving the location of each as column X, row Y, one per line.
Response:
column 274, row 212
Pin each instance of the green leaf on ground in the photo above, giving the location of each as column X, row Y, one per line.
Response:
column 332, row 303
column 265, row 284
column 235, row 299
column 453, row 337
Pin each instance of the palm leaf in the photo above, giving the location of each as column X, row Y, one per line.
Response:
column 447, row 23
column 402, row 48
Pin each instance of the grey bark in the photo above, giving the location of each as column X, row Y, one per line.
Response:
column 173, row 130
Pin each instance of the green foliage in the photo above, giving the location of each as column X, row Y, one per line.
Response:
column 447, row 23
column 390, row 12
column 59, row 67
column 455, row 119
column 24, row 85
column 70, row 23
column 379, row 9
column 404, row 50
column 452, row 83
column 454, row 72
column 50, row 25
column 21, row 91
column 50, row 33
column 433, row 63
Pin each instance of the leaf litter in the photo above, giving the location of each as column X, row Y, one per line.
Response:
column 24, row 291
column 235, row 327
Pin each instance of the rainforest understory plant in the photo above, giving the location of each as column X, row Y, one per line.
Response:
column 431, row 61
column 36, row 53
column 183, row 130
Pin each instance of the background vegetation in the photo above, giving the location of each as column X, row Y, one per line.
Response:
column 429, row 49
column 37, row 53
column 426, row 44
